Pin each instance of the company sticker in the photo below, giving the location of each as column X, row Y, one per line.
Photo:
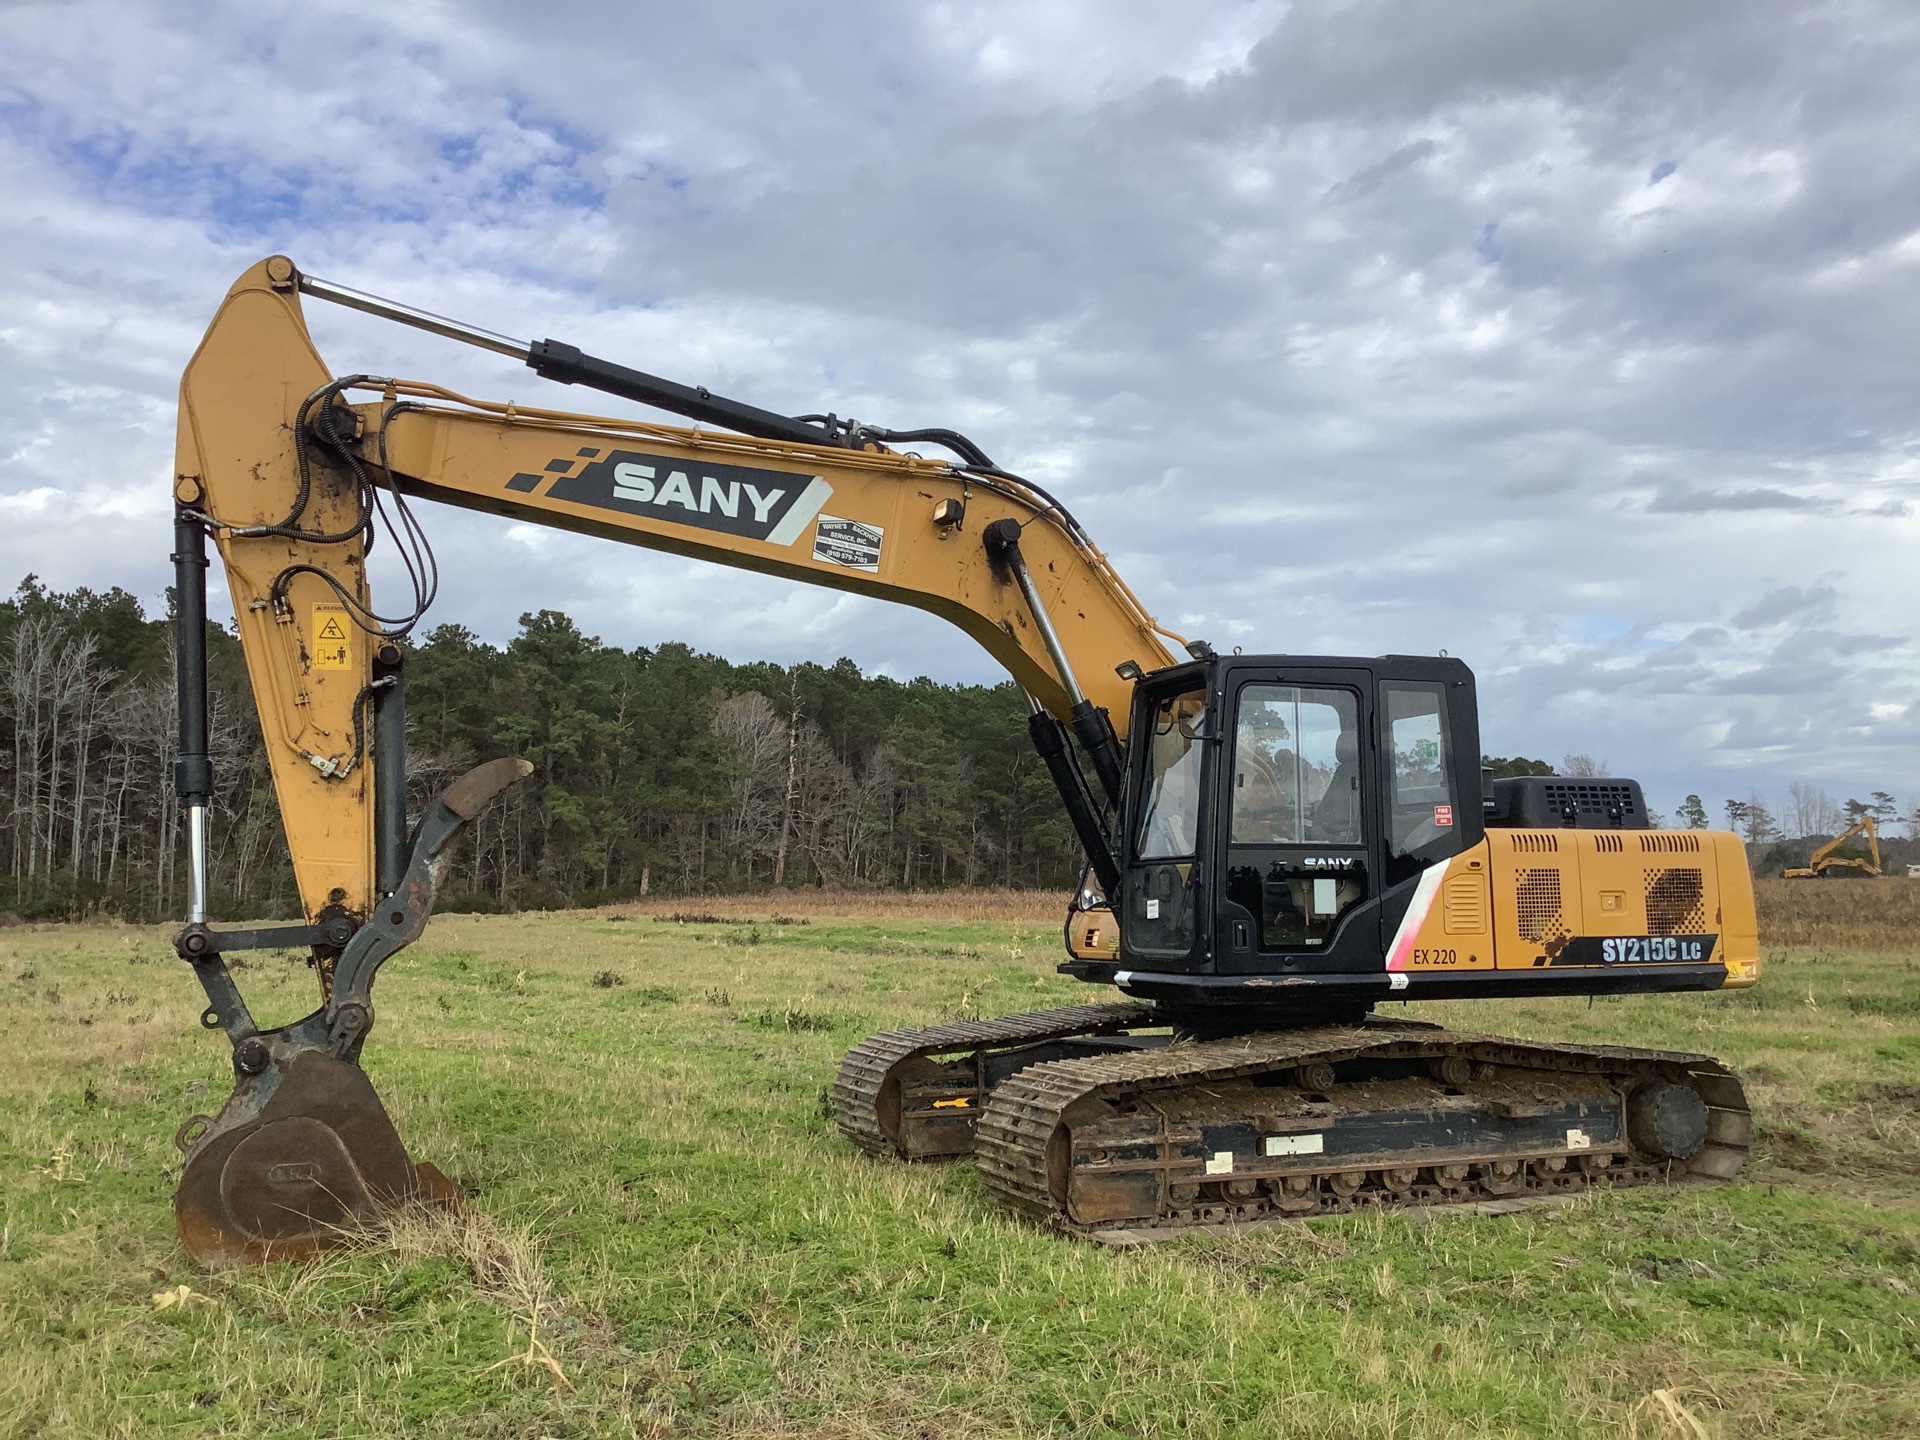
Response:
column 1443, row 816
column 848, row 543
column 332, row 644
column 773, row 506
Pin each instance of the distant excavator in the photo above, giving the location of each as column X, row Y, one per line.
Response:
column 1828, row 863
column 1277, row 843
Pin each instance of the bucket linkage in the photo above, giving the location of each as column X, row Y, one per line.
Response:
column 303, row 1155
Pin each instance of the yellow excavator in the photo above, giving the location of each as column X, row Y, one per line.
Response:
column 1828, row 862
column 1279, row 843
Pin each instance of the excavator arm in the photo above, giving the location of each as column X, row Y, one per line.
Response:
column 290, row 469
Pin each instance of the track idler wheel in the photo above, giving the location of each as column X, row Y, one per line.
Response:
column 302, row 1158
column 1667, row 1121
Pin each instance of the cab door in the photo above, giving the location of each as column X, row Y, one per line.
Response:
column 1162, row 918
column 1294, row 833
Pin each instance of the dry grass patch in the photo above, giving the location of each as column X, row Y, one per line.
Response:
column 991, row 904
column 1830, row 915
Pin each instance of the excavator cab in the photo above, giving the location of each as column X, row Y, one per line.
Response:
column 1279, row 812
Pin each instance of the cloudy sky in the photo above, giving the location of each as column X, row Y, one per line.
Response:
column 1579, row 340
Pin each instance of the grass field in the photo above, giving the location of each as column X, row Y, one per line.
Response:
column 667, row 1237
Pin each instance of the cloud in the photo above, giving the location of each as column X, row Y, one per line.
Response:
column 1790, row 602
column 1362, row 327
column 1676, row 499
column 1365, row 182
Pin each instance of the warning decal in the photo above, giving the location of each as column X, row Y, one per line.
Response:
column 848, row 543
column 332, row 647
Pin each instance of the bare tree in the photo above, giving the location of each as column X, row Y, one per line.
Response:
column 1759, row 822
column 1802, row 811
column 791, row 794
column 824, row 803
column 758, row 741
column 54, row 690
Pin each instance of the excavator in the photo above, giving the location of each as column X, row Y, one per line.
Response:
column 1277, row 845
column 1827, row 862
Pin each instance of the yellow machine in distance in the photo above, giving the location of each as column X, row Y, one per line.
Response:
column 1277, row 846
column 1828, row 860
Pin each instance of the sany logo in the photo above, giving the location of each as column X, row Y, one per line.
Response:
column 769, row 505
column 635, row 482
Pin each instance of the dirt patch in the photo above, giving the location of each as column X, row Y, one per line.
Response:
column 1889, row 1093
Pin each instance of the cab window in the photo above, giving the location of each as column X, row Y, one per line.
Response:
column 1423, row 811
column 1294, row 795
column 1158, row 916
column 1296, row 777
column 1169, row 824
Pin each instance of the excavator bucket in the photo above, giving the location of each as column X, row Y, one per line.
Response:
column 303, row 1156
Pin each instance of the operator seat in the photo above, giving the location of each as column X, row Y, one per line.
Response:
column 1336, row 819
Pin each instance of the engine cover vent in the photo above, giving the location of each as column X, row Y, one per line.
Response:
column 1543, row 802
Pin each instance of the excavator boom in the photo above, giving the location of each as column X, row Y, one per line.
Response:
column 264, row 427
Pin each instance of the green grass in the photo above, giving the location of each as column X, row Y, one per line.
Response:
column 655, row 1186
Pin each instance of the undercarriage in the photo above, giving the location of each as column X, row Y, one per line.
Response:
column 1095, row 1120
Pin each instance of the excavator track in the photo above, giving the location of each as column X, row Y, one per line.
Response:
column 914, row 1094
column 1149, row 1145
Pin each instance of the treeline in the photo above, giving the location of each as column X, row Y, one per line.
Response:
column 87, row 733
column 655, row 770
column 668, row 771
